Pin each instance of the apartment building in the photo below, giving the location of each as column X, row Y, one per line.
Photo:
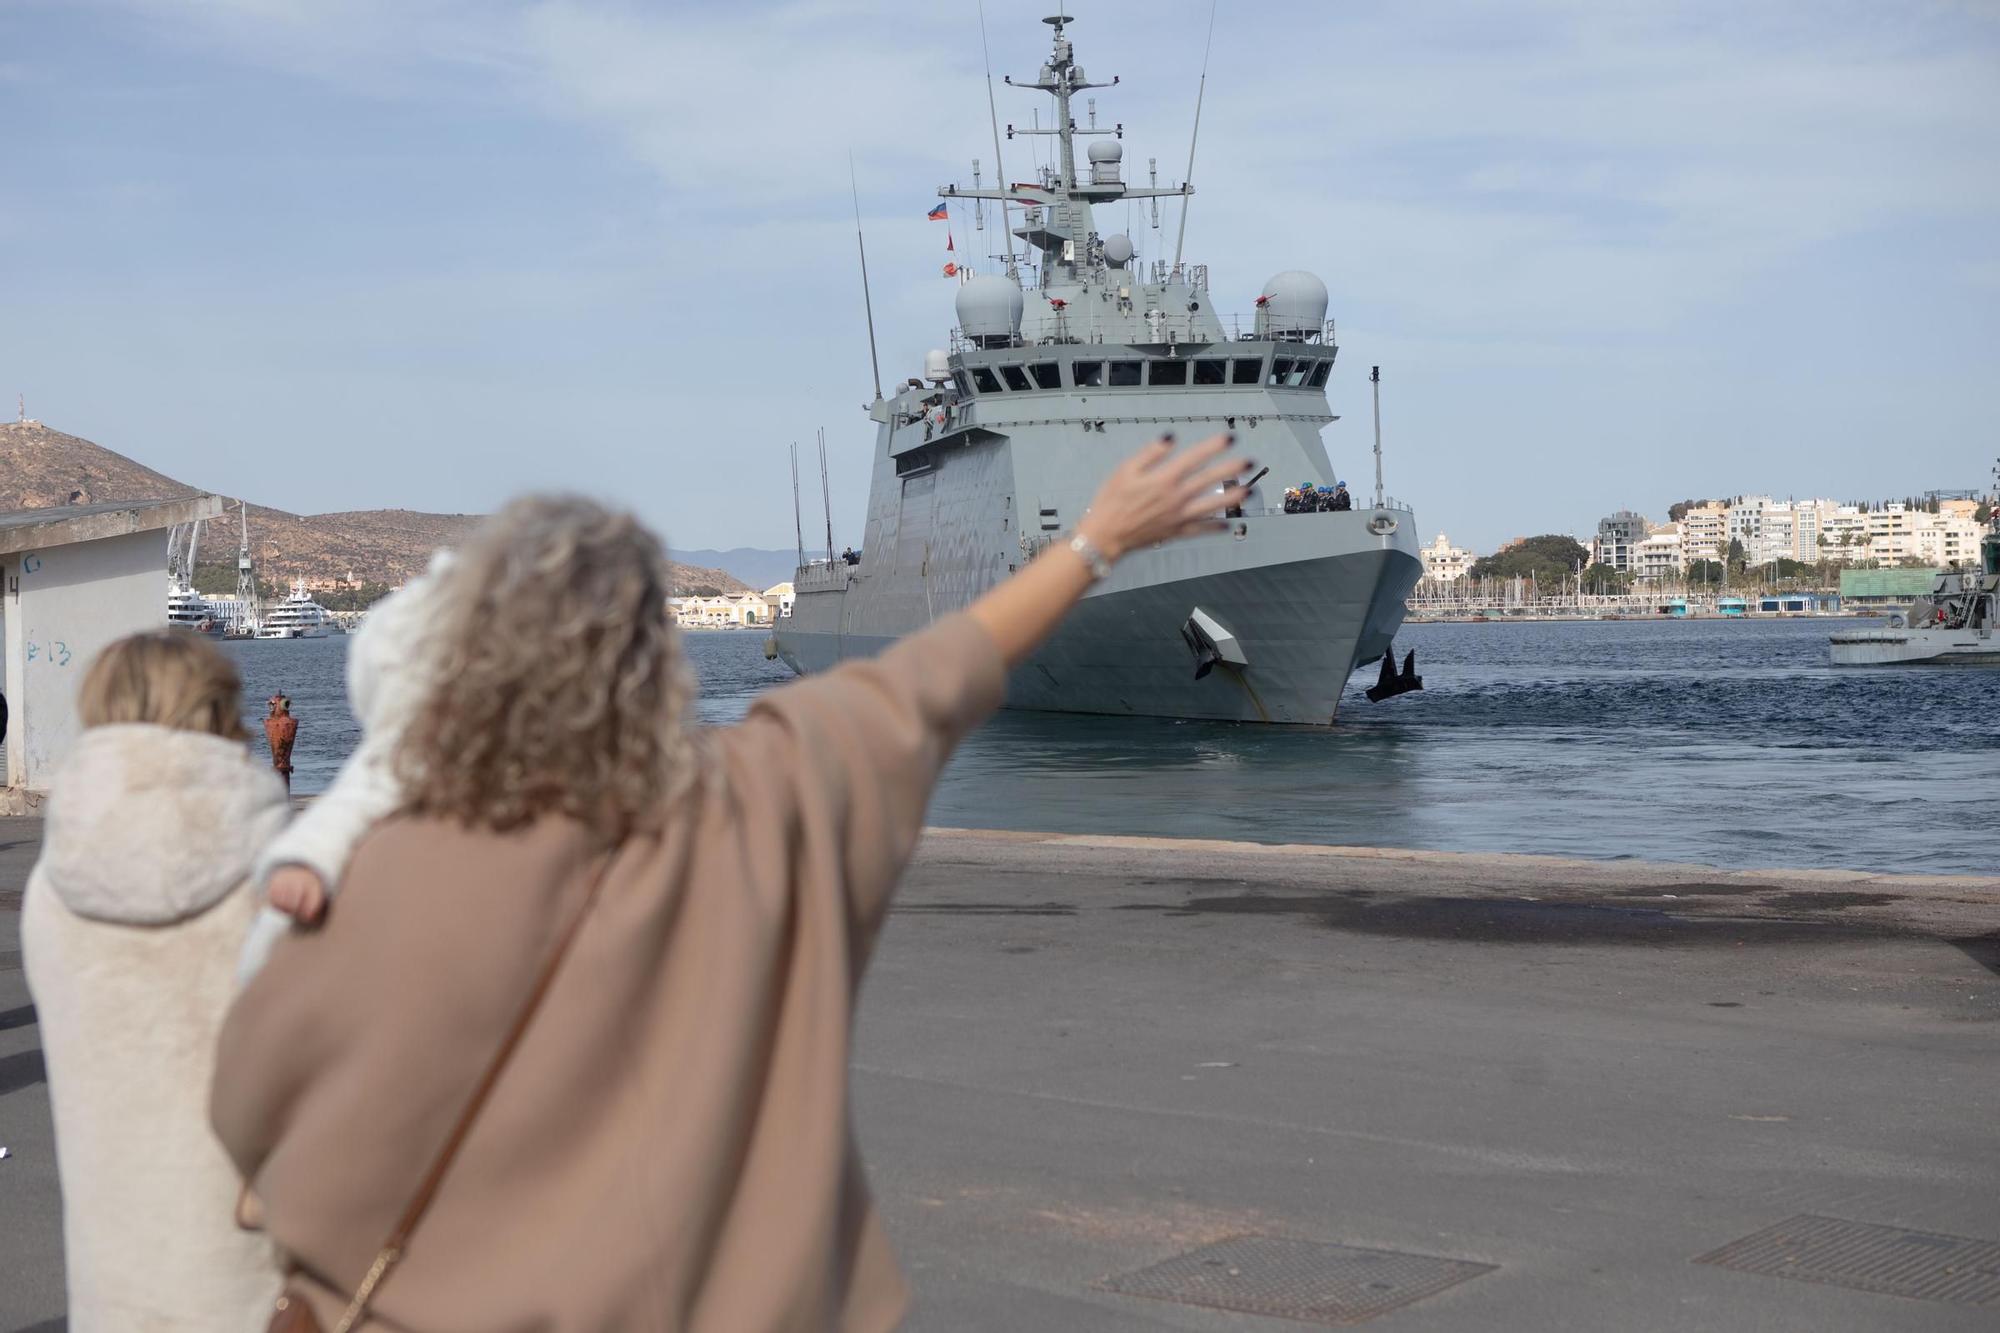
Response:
column 1704, row 532
column 1617, row 537
column 1662, row 556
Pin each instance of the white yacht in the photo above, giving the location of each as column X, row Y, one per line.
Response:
column 297, row 617
column 188, row 609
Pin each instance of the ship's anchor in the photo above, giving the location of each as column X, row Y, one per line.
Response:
column 1388, row 685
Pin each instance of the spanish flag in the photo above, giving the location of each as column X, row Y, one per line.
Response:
column 938, row 214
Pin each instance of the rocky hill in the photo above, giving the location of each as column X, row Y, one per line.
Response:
column 40, row 467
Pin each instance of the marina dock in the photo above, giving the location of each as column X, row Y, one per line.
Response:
column 1522, row 1092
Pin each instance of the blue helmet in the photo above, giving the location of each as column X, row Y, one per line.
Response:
column 1341, row 484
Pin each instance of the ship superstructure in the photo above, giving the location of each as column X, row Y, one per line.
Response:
column 1063, row 364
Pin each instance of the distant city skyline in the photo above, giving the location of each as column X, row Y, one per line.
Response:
column 427, row 254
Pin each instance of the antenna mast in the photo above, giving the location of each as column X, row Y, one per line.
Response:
column 1375, row 382
column 993, row 116
column 825, row 495
column 798, row 522
column 867, row 302
column 1187, row 181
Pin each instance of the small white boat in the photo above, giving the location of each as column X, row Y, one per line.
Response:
column 297, row 617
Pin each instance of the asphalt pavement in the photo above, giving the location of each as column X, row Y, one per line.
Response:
column 1109, row 1084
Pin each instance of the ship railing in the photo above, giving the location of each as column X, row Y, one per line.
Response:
column 1245, row 329
column 1194, row 275
column 1235, row 328
column 822, row 576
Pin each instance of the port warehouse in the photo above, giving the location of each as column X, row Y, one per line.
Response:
column 1866, row 589
column 72, row 579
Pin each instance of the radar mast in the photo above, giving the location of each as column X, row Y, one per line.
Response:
column 1056, row 217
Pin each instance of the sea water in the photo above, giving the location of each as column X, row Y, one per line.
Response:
column 1722, row 742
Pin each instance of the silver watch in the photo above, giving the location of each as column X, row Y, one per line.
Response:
column 1100, row 568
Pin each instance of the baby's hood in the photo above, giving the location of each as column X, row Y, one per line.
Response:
column 148, row 824
column 389, row 670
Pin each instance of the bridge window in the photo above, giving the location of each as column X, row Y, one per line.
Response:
column 1211, row 372
column 1247, row 371
column 1124, row 374
column 1089, row 374
column 1319, row 373
column 1048, row 375
column 1017, row 378
column 1167, row 372
column 1287, row 373
column 985, row 380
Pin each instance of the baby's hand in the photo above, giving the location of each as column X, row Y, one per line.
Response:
column 297, row 892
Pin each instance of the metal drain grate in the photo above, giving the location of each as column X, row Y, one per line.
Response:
column 1895, row 1261
column 1296, row 1279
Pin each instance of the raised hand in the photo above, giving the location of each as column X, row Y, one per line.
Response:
column 1158, row 495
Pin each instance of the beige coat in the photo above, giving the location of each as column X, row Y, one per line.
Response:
column 670, row 1148
column 130, row 929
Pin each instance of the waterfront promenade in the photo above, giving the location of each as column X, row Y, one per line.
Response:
column 1080, row 1057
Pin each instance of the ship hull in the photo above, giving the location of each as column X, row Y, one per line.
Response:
column 1303, row 612
column 1915, row 647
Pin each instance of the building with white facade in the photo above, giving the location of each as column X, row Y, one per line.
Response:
column 722, row 611
column 779, row 598
column 1661, row 557
column 72, row 579
column 1705, row 533
column 1445, row 563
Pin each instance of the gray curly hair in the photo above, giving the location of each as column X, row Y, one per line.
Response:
column 560, row 686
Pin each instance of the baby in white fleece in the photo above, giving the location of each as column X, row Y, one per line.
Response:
column 389, row 673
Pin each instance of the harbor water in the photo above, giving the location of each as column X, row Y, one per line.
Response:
column 1727, row 743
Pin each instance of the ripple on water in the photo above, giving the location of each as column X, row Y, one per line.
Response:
column 1727, row 743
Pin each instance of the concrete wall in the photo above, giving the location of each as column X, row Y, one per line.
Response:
column 61, row 605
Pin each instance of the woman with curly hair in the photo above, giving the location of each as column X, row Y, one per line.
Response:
column 666, row 1144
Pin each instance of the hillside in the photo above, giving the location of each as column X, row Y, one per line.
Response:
column 40, row 467
column 757, row 566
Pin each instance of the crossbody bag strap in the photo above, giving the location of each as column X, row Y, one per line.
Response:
column 399, row 1237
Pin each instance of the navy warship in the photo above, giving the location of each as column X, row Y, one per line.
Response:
column 1066, row 361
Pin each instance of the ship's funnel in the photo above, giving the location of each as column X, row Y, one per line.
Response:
column 989, row 310
column 1292, row 307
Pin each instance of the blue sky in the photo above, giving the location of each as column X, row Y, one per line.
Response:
column 341, row 254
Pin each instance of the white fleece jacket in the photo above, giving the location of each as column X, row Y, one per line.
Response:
column 130, row 929
column 389, row 672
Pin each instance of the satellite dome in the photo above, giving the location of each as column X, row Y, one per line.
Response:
column 989, row 310
column 1105, row 155
column 937, row 365
column 1118, row 250
column 1293, row 304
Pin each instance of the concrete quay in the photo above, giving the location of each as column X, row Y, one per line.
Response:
column 1080, row 1057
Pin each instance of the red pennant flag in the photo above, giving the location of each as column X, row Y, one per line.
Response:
column 948, row 242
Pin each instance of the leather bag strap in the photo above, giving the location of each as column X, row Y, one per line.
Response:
column 399, row 1237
